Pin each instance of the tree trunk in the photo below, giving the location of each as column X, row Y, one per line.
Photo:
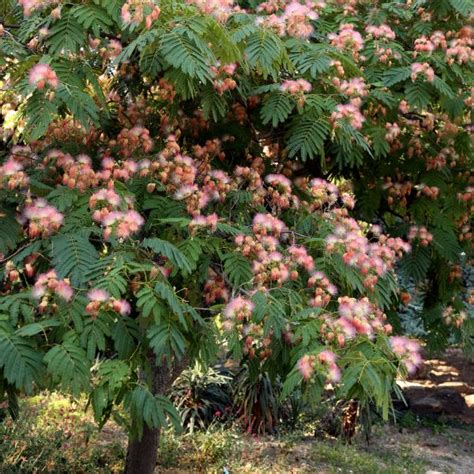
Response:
column 142, row 454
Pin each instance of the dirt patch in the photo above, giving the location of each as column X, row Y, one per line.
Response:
column 444, row 386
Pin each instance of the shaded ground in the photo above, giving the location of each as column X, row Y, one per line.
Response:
column 58, row 435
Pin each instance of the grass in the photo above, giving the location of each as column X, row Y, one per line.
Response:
column 55, row 434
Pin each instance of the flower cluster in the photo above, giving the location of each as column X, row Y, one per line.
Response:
column 299, row 86
column 354, row 87
column 347, row 39
column 29, row 6
column 220, row 9
column 78, row 172
column 237, row 311
column 461, row 49
column 203, row 222
column 324, row 290
column 422, row 68
column 425, row 44
column 297, row 17
column 135, row 11
column 349, row 112
column 223, row 81
column 325, row 361
column 421, row 234
column 215, row 288
column 100, row 300
column 266, row 224
column 42, row 75
column 380, row 32
column 121, row 224
column 408, row 350
column 294, row 20
column 279, row 191
column 355, row 317
column 453, row 317
column 42, row 219
column 47, row 285
column 12, row 175
column 136, row 139
column 373, row 259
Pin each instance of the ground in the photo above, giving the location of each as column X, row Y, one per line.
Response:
column 56, row 434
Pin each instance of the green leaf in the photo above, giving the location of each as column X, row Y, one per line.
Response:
column 125, row 334
column 68, row 365
column 276, row 108
column 10, row 232
column 166, row 340
column 92, row 17
column 418, row 94
column 265, row 51
column 93, row 337
column 183, row 53
column 66, row 34
column 40, row 112
column 72, row 257
column 416, row 263
column 463, row 7
column 237, row 269
column 154, row 411
column 306, row 137
column 38, row 327
column 170, row 251
column 166, row 292
column 213, row 105
column 395, row 75
column 20, row 360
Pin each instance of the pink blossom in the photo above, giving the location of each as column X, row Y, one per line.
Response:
column 41, row 75
column 43, row 219
column 239, row 309
column 408, row 350
column 347, row 38
column 425, row 69
column 48, row 284
column 300, row 86
column 305, row 366
column 98, row 295
column 381, row 31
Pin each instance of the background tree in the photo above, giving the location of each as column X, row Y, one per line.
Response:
column 164, row 188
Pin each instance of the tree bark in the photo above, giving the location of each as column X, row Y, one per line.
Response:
column 142, row 453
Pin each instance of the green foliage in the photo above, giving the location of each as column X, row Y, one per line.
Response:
column 155, row 411
column 21, row 362
column 68, row 365
column 276, row 108
column 72, row 256
column 307, row 136
column 169, row 251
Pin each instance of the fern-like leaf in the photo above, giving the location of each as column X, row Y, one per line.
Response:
column 73, row 255
column 68, row 365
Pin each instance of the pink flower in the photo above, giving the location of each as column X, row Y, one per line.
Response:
column 347, row 38
column 300, row 86
column 98, row 295
column 239, row 309
column 425, row 68
column 305, row 365
column 43, row 219
column 408, row 351
column 41, row 75
column 48, row 284
column 381, row 31
column 121, row 306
